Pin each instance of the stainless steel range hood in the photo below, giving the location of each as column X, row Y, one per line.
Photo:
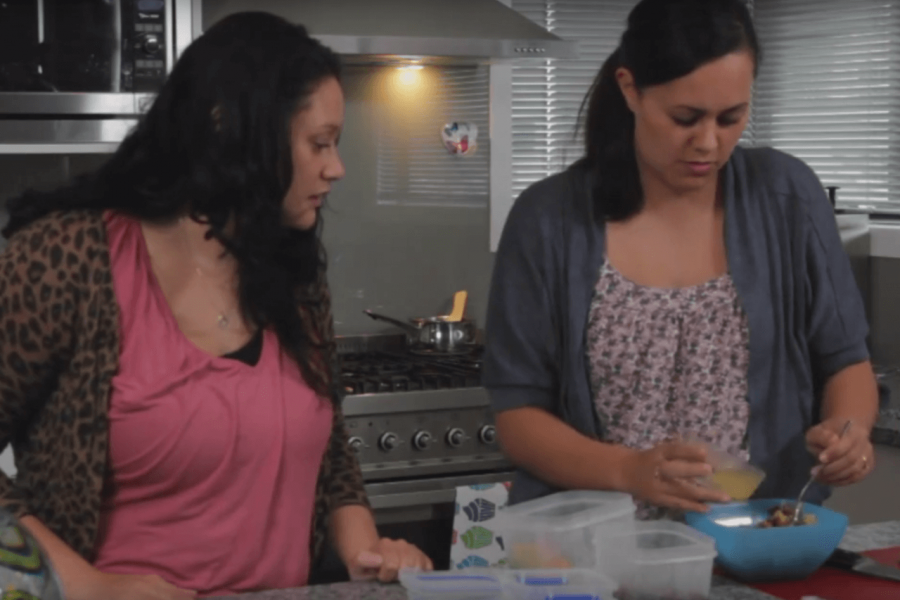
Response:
column 451, row 32
column 397, row 31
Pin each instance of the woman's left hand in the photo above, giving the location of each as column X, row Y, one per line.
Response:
column 842, row 460
column 385, row 559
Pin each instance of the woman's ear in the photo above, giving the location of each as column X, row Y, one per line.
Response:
column 629, row 90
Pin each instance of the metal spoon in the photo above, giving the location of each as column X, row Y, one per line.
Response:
column 798, row 507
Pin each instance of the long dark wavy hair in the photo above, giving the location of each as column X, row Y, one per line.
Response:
column 665, row 40
column 215, row 145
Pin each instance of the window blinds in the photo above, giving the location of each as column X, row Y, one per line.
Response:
column 828, row 92
column 547, row 95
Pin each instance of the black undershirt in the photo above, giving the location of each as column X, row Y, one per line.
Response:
column 250, row 352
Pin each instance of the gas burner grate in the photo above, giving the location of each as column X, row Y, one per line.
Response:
column 379, row 372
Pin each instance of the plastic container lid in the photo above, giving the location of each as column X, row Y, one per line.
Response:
column 571, row 509
column 492, row 584
column 470, row 584
column 562, row 584
column 670, row 542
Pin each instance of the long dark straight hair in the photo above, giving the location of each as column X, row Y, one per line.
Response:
column 216, row 146
column 664, row 40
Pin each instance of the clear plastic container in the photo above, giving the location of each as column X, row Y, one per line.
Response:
column 673, row 561
column 471, row 584
column 732, row 475
column 558, row 584
column 573, row 529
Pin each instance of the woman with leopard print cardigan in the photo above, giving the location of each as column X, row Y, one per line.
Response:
column 206, row 219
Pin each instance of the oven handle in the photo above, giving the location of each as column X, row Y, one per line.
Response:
column 422, row 493
column 419, row 498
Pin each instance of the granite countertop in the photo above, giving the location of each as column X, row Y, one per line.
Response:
column 858, row 538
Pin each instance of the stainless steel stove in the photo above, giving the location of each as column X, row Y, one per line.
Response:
column 421, row 426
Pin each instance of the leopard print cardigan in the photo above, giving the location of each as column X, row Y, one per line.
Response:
column 59, row 349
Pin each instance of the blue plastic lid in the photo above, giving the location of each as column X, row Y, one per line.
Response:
column 542, row 579
column 560, row 584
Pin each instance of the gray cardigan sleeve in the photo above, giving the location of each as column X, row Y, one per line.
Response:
column 521, row 365
column 836, row 326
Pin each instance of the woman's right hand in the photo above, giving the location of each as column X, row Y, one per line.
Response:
column 665, row 476
column 112, row 586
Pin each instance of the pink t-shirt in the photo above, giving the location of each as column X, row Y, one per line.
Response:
column 214, row 461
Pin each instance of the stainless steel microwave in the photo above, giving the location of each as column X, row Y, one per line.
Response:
column 79, row 72
column 76, row 74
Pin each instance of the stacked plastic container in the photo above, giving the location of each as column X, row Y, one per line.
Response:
column 580, row 529
column 673, row 561
column 586, row 545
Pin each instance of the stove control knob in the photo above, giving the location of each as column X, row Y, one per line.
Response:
column 422, row 440
column 455, row 437
column 487, row 434
column 356, row 443
column 150, row 44
column 388, row 441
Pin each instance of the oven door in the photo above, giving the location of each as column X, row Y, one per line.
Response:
column 421, row 511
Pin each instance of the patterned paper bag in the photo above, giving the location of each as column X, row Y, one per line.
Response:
column 475, row 543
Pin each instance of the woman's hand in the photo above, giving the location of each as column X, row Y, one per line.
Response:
column 111, row 586
column 385, row 559
column 843, row 460
column 665, row 474
column 81, row 581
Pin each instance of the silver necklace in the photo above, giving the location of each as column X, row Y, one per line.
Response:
column 222, row 320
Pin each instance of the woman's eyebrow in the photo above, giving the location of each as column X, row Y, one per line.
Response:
column 703, row 111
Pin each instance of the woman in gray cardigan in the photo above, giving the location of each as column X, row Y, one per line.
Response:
column 671, row 285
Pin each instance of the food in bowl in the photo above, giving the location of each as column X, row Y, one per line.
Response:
column 752, row 553
column 783, row 516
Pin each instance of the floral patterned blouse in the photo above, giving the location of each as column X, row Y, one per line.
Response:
column 667, row 363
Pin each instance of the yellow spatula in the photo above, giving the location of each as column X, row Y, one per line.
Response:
column 459, row 306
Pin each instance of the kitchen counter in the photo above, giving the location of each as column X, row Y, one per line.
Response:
column 858, row 538
column 887, row 428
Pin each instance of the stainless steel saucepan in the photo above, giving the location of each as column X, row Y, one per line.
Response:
column 436, row 334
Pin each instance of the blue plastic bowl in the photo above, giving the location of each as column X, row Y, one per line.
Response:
column 778, row 553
